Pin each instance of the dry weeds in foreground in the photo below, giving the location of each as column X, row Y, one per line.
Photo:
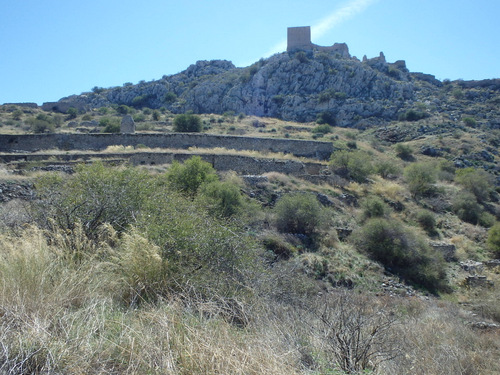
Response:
column 61, row 316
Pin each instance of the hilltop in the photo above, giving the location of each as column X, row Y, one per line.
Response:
column 325, row 215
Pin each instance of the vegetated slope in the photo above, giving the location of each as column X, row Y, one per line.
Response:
column 295, row 86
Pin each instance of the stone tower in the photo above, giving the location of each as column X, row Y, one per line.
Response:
column 299, row 38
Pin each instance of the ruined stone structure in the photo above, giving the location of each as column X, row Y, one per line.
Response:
column 128, row 125
column 98, row 142
column 299, row 39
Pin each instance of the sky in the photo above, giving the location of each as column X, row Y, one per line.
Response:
column 55, row 48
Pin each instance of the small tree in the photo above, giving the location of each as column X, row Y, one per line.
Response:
column 188, row 177
column 352, row 164
column 72, row 113
column 187, row 123
column 298, row 213
column 476, row 181
column 222, row 198
column 421, row 178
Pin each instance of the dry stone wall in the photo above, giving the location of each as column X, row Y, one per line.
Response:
column 99, row 142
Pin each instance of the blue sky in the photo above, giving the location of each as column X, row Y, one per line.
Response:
column 50, row 49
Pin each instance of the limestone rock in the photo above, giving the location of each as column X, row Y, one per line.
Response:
column 128, row 125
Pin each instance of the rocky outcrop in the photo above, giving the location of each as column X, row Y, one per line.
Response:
column 292, row 86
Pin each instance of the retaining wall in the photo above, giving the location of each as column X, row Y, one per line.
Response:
column 98, row 142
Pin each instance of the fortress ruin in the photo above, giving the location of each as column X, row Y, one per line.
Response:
column 299, row 39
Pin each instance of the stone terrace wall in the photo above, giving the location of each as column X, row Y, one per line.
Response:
column 245, row 165
column 98, row 142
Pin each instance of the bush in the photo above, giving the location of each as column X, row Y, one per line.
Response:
column 404, row 151
column 222, row 198
column 124, row 109
column 94, row 195
column 356, row 165
column 476, row 181
column 387, row 168
column 298, row 213
column 421, row 178
column 402, row 252
column 188, row 177
column 412, row 115
column 427, row 221
column 323, row 129
column 72, row 113
column 373, row 207
column 204, row 254
column 466, row 207
column 41, row 124
column 187, row 123
column 494, row 239
column 326, row 118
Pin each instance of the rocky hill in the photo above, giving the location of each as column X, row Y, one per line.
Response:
column 298, row 86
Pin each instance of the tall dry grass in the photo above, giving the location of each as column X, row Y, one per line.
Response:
column 65, row 315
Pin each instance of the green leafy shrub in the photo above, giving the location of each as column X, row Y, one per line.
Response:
column 324, row 129
column 222, row 198
column 187, row 123
column 356, row 165
column 94, row 195
column 124, row 109
column 42, row 123
column 189, row 176
column 280, row 248
column 404, row 151
column 298, row 213
column 494, row 239
column 326, row 118
column 373, row 207
column 402, row 252
column 476, row 181
column 470, row 122
column 466, row 207
column 427, row 220
column 420, row 178
column 412, row 115
column 72, row 113
column 203, row 253
column 387, row 168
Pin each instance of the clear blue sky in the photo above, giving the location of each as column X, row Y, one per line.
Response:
column 50, row 49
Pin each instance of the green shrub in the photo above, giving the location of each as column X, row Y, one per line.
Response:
column 156, row 115
column 412, row 115
column 324, row 129
column 203, row 252
column 404, row 151
column 469, row 121
column 222, row 198
column 476, row 181
column 427, row 221
column 187, row 123
column 356, row 165
column 42, row 123
column 420, row 178
column 17, row 114
column 94, row 195
column 112, row 127
column 373, row 207
column 72, row 113
column 298, row 213
column 466, row 207
column 170, row 97
column 124, row 109
column 402, row 252
column 494, row 239
column 387, row 168
column 326, row 118
column 189, row 176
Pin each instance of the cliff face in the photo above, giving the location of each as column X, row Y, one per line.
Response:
column 293, row 86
